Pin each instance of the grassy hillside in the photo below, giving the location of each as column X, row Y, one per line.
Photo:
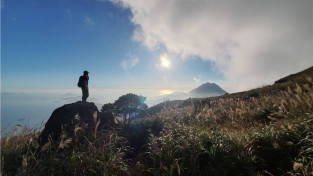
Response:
column 299, row 77
column 266, row 131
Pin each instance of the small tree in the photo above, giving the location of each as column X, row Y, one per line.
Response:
column 128, row 106
column 107, row 107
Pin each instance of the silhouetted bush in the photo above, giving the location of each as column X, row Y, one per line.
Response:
column 128, row 107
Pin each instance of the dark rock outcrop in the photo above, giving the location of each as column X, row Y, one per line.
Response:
column 75, row 115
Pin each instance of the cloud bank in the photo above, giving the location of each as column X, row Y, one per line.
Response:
column 251, row 42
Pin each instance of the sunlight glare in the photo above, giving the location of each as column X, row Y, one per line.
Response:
column 166, row 92
column 165, row 61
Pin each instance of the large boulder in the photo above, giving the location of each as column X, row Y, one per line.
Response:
column 70, row 117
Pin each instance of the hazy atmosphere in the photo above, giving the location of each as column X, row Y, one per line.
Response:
column 150, row 48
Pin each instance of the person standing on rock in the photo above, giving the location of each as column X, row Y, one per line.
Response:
column 83, row 84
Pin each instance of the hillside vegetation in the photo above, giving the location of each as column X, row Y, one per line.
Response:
column 265, row 131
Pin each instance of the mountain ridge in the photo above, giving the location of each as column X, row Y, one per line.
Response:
column 297, row 76
column 279, row 85
column 204, row 90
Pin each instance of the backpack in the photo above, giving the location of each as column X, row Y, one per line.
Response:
column 80, row 82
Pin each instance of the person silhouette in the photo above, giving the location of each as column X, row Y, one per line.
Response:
column 83, row 84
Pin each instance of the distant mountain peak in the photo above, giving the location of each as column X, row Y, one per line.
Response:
column 207, row 90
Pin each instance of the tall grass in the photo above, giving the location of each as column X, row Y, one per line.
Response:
column 268, row 134
column 101, row 155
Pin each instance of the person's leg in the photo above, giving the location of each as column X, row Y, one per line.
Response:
column 85, row 94
column 84, row 98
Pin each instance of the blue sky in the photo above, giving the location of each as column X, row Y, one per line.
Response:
column 47, row 44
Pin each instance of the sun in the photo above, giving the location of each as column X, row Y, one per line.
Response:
column 165, row 62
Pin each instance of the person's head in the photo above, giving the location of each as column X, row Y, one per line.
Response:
column 86, row 72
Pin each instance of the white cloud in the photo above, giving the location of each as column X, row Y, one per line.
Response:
column 251, row 42
column 129, row 63
column 197, row 78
